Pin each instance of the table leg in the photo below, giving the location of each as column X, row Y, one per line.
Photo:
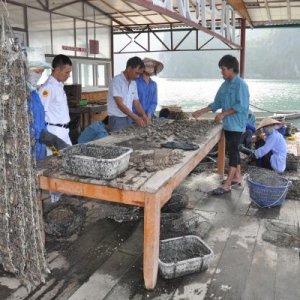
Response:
column 90, row 117
column 151, row 240
column 221, row 154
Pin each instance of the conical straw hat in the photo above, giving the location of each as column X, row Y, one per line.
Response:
column 158, row 66
column 267, row 122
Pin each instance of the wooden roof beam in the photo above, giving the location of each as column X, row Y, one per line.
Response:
column 239, row 6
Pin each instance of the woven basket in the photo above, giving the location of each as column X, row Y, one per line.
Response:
column 268, row 196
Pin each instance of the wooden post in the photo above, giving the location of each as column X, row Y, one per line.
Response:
column 221, row 154
column 243, row 48
column 151, row 240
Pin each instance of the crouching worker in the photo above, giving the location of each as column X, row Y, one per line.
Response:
column 95, row 131
column 271, row 153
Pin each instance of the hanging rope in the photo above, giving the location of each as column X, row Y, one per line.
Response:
column 21, row 246
column 4, row 3
column 262, row 109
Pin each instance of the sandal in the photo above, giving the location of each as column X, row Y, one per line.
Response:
column 220, row 191
column 233, row 182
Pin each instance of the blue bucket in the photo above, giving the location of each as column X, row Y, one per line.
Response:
column 268, row 196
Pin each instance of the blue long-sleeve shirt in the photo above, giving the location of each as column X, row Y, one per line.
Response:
column 147, row 95
column 36, row 107
column 233, row 94
column 275, row 142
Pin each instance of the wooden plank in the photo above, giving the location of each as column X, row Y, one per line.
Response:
column 288, row 274
column 230, row 280
column 134, row 244
column 261, row 280
column 92, row 191
column 105, row 278
column 242, row 206
column 130, row 284
column 288, row 212
column 297, row 208
column 196, row 286
column 132, row 179
column 151, row 240
column 112, row 139
column 76, row 254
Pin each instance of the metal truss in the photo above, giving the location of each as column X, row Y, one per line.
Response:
column 131, row 35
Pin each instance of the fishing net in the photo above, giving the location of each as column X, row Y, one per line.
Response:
column 21, row 245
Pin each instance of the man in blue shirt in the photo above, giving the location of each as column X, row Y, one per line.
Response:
column 233, row 98
column 147, row 88
column 272, row 155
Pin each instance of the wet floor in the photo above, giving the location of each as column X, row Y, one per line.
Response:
column 103, row 259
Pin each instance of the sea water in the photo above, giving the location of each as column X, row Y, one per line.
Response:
column 193, row 94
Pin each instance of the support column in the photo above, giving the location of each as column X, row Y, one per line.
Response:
column 243, row 48
column 151, row 240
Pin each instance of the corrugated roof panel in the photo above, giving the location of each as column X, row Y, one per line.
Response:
column 258, row 14
column 295, row 13
column 102, row 6
column 277, row 4
column 74, row 10
column 56, row 3
column 141, row 20
column 279, row 14
column 118, row 5
column 32, row 3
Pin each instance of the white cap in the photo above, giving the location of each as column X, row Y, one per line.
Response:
column 36, row 58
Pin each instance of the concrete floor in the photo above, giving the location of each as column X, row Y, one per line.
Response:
column 104, row 261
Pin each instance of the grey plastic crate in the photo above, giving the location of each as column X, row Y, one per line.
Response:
column 173, row 261
column 97, row 161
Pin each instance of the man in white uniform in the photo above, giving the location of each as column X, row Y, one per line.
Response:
column 54, row 98
column 123, row 95
column 55, row 102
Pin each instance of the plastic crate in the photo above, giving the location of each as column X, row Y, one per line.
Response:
column 176, row 259
column 268, row 196
column 97, row 161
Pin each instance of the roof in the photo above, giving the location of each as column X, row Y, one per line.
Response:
column 135, row 12
column 257, row 12
column 135, row 15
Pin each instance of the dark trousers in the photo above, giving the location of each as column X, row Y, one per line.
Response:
column 265, row 161
column 246, row 138
column 233, row 139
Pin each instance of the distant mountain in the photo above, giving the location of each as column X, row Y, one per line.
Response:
column 270, row 53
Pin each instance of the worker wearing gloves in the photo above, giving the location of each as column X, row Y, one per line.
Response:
column 271, row 152
column 36, row 64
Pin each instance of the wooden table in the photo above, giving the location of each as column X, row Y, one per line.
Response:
column 90, row 109
column 143, row 189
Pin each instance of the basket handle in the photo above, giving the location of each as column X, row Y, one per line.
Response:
column 289, row 183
